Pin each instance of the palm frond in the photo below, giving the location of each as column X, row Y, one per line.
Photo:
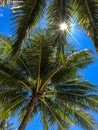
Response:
column 83, row 58
column 43, row 118
column 56, row 117
column 85, row 120
column 87, row 12
column 71, row 63
column 5, row 47
column 58, row 12
column 8, row 77
column 26, row 15
column 6, row 124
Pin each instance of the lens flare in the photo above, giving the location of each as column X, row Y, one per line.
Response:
column 63, row 26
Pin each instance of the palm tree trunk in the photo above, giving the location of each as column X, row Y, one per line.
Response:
column 29, row 112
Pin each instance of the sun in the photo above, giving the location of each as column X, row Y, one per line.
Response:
column 63, row 26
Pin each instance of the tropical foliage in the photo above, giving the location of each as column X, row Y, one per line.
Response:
column 41, row 80
column 44, row 78
column 6, row 125
column 87, row 12
column 27, row 13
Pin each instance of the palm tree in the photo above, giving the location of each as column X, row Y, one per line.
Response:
column 27, row 14
column 41, row 80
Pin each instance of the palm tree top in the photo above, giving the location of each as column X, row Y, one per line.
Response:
column 51, row 80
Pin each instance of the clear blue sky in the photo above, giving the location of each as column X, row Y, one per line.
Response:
column 80, row 40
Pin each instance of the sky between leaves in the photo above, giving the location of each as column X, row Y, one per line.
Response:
column 80, row 40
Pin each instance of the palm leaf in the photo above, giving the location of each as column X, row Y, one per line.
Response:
column 58, row 12
column 87, row 12
column 85, row 120
column 82, row 59
column 61, row 123
column 43, row 118
column 5, row 47
column 26, row 16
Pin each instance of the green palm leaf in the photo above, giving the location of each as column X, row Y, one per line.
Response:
column 85, row 120
column 87, row 12
column 26, row 17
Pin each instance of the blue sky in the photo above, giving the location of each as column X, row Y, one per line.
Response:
column 81, row 41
